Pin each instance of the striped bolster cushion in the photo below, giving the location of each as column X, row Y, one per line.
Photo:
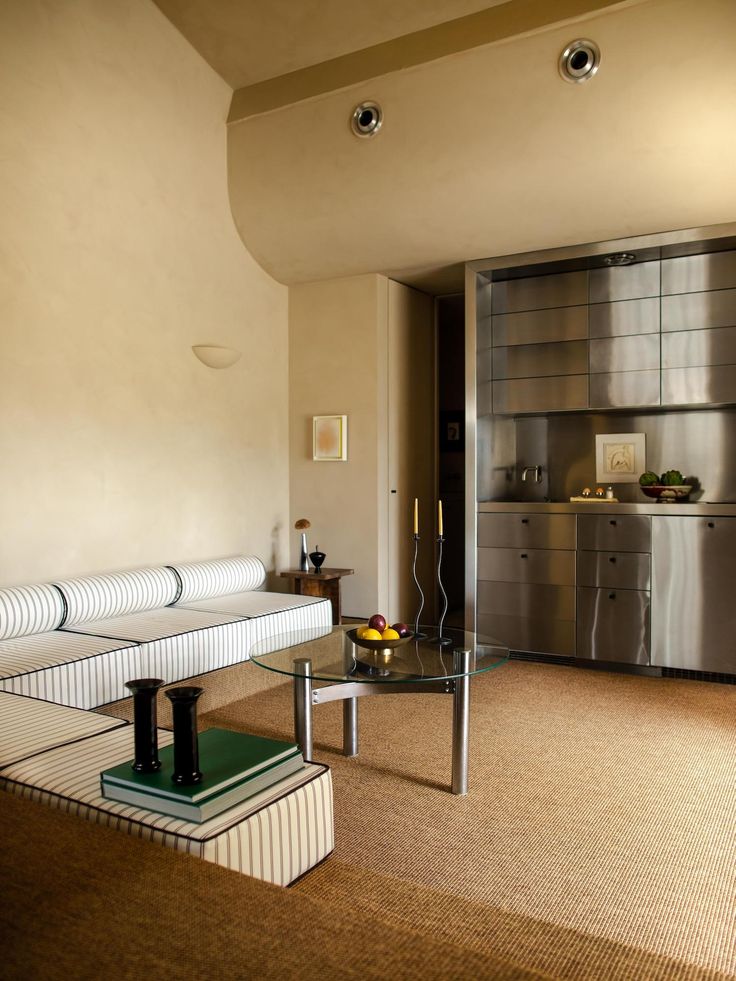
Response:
column 28, row 610
column 203, row 580
column 113, row 595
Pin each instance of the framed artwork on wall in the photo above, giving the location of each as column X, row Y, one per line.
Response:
column 330, row 439
column 620, row 458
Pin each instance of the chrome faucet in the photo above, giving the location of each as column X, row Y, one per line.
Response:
column 537, row 471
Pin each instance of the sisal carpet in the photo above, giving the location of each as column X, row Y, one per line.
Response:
column 597, row 839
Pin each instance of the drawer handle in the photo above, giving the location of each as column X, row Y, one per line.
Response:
column 612, row 596
column 612, row 558
column 525, row 521
column 711, row 524
column 524, row 555
column 612, row 522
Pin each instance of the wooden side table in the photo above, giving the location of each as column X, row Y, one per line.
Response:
column 325, row 584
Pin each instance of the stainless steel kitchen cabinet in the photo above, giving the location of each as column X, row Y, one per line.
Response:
column 699, row 329
column 613, row 625
column 619, row 533
column 613, row 579
column 693, row 599
column 526, row 581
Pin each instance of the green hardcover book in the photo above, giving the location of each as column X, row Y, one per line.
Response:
column 236, row 765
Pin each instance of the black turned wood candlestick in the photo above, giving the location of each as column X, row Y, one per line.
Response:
column 145, row 733
column 186, row 744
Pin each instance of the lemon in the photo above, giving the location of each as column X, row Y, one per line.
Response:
column 360, row 632
column 389, row 634
column 370, row 634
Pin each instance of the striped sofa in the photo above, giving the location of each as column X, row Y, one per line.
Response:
column 71, row 645
column 78, row 641
column 54, row 754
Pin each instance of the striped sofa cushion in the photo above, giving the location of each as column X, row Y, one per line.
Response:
column 259, row 604
column 29, row 726
column 202, row 580
column 276, row 835
column 112, row 595
column 186, row 655
column 72, row 669
column 29, row 610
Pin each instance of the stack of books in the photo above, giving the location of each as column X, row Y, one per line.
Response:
column 235, row 765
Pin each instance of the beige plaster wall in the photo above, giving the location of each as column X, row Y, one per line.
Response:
column 490, row 152
column 118, row 253
column 337, row 358
column 364, row 347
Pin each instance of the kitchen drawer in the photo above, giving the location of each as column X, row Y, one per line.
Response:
column 536, row 636
column 541, row 360
column 708, row 385
column 542, row 326
column 613, row 625
column 624, row 282
column 526, row 530
column 540, row 292
column 624, row 317
column 620, row 389
column 539, row 565
column 614, row 570
column 523, row 599
column 553, row 394
column 622, row 533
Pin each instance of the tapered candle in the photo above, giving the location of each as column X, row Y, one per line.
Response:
column 439, row 517
column 416, row 516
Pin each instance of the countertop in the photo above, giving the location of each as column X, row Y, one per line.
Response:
column 696, row 509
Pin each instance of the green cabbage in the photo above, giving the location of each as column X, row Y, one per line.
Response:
column 648, row 479
column 672, row 478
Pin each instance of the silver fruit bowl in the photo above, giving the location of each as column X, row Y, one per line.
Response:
column 667, row 492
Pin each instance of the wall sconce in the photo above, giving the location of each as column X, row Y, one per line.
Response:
column 216, row 357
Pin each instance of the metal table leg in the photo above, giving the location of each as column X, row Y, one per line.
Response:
column 350, row 727
column 303, row 705
column 460, row 722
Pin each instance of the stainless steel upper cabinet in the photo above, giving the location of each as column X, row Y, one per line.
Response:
column 540, row 292
column 624, row 371
column 517, row 396
column 696, row 273
column 693, row 609
column 541, row 326
column 540, row 360
column 624, row 282
column 699, row 311
column 624, row 317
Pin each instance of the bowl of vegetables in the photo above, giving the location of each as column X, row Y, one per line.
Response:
column 670, row 486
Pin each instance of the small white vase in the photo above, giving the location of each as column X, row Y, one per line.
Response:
column 304, row 555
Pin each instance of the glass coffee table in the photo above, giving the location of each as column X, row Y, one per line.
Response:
column 328, row 654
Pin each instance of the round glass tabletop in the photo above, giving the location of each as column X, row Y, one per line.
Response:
column 335, row 657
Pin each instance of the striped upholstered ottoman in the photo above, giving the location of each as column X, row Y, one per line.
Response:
column 54, row 754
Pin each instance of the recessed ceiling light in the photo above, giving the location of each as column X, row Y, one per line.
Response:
column 620, row 259
column 580, row 60
column 366, row 119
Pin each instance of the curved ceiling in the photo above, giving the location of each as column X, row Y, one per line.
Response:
column 490, row 152
column 247, row 41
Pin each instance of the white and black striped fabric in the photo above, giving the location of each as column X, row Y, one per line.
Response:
column 80, row 670
column 29, row 726
column 202, row 580
column 154, row 624
column 186, row 655
column 276, row 836
column 113, row 595
column 258, row 604
column 29, row 610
